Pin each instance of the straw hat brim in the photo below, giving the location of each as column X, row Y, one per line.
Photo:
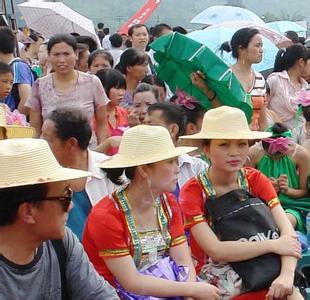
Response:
column 63, row 174
column 124, row 161
column 13, row 131
column 239, row 135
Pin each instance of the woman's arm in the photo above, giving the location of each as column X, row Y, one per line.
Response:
column 283, row 284
column 234, row 251
column 24, row 91
column 123, row 268
column 36, row 121
column 262, row 121
column 101, row 121
column 110, row 142
column 301, row 158
column 255, row 154
column 198, row 80
column 181, row 255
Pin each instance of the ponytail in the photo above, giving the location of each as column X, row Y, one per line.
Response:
column 116, row 175
column 287, row 58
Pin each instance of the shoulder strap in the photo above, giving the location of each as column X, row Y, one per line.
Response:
column 14, row 91
column 17, row 59
column 62, row 258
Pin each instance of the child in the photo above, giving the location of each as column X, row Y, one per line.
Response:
column 283, row 162
column 6, row 80
column 114, row 84
column 226, row 210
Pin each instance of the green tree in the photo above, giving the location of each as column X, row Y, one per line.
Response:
column 296, row 16
column 269, row 17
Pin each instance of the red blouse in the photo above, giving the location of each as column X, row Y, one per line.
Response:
column 107, row 232
column 192, row 204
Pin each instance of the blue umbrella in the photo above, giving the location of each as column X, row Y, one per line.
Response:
column 221, row 13
column 284, row 26
column 213, row 38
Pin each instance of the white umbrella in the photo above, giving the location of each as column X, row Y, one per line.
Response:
column 284, row 26
column 49, row 18
column 275, row 37
column 221, row 13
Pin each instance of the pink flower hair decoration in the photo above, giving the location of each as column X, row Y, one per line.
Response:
column 280, row 144
column 15, row 118
column 185, row 100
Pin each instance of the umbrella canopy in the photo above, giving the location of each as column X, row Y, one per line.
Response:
column 214, row 37
column 178, row 56
column 49, row 18
column 273, row 36
column 221, row 13
column 284, row 26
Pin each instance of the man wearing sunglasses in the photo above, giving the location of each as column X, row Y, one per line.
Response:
column 35, row 198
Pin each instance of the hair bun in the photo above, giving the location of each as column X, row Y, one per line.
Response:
column 226, row 46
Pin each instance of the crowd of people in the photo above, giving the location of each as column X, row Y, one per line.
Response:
column 130, row 191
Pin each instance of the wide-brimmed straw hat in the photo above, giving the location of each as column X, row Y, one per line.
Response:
column 144, row 144
column 30, row 161
column 13, row 131
column 228, row 123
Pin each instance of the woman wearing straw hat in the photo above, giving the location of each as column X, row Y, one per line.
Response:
column 234, row 215
column 135, row 237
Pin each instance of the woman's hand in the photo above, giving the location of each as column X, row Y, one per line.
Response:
column 133, row 117
column 282, row 286
column 198, row 80
column 283, row 183
column 287, row 245
column 204, row 291
column 275, row 184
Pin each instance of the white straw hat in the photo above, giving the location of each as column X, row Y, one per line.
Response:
column 226, row 122
column 13, row 131
column 30, row 161
column 144, row 144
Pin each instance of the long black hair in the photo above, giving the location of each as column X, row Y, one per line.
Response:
column 111, row 78
column 240, row 39
column 286, row 58
column 131, row 57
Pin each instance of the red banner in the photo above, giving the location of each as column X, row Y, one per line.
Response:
column 141, row 15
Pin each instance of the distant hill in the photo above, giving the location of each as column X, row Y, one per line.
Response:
column 178, row 12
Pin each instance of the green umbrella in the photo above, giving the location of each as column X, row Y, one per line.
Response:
column 178, row 56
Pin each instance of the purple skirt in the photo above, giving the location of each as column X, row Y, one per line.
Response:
column 166, row 268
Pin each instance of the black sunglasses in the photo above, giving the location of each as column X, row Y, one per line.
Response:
column 64, row 200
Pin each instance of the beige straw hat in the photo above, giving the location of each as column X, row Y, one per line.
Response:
column 144, row 144
column 226, row 122
column 13, row 131
column 30, row 161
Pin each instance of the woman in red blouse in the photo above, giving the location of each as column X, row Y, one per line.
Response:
column 227, row 189
column 135, row 237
